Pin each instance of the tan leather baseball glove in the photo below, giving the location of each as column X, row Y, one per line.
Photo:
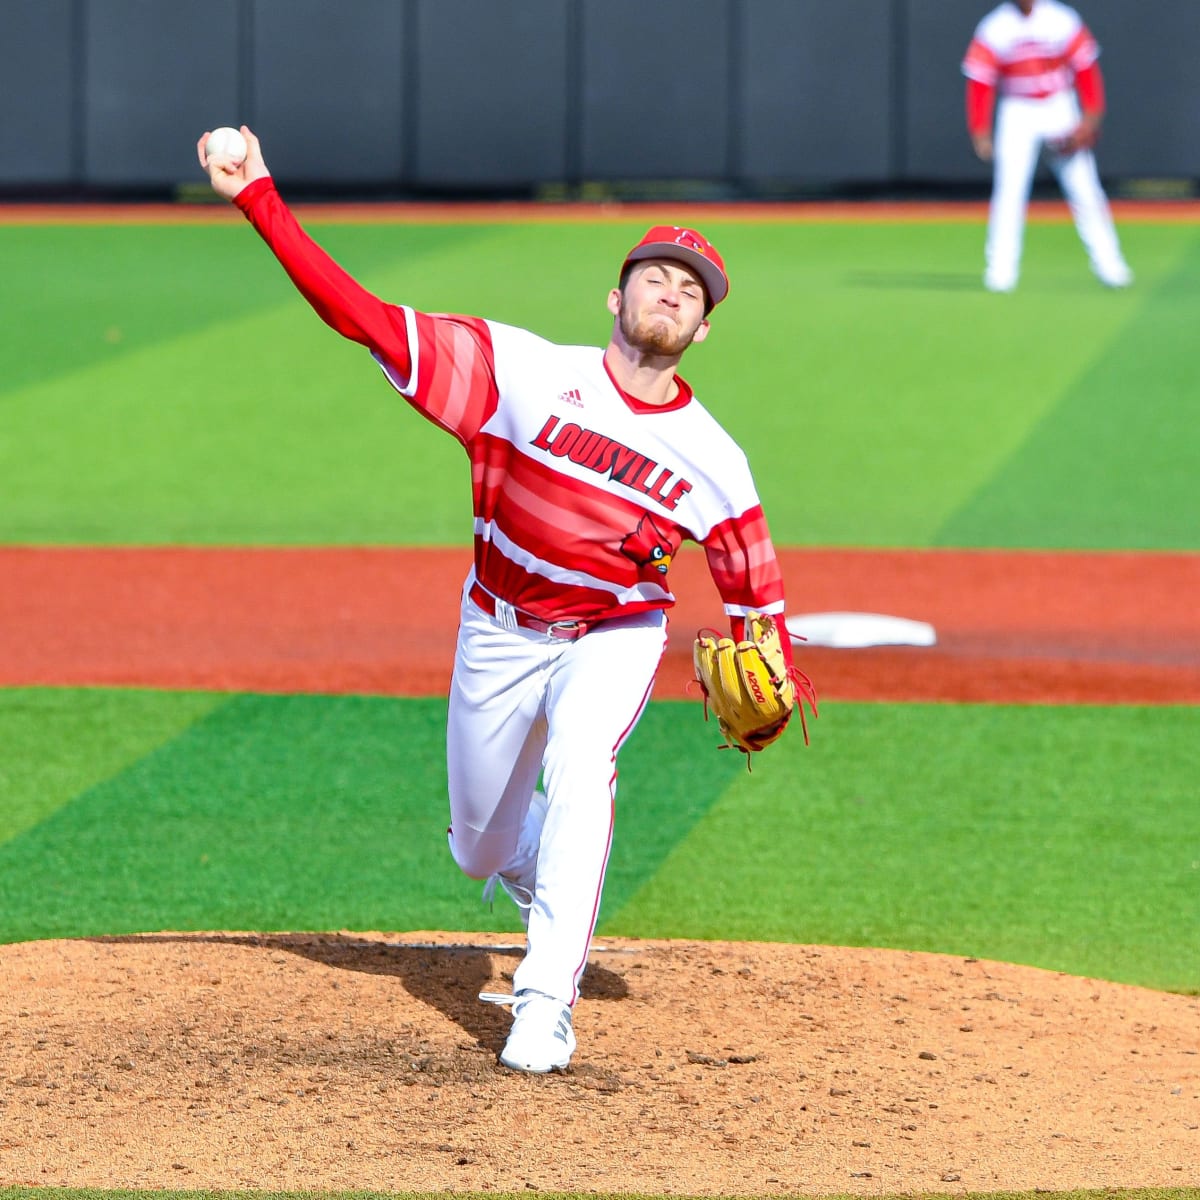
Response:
column 748, row 686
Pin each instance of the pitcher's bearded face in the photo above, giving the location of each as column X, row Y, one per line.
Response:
column 656, row 332
column 662, row 307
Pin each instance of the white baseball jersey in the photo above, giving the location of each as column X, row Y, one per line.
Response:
column 582, row 493
column 1032, row 56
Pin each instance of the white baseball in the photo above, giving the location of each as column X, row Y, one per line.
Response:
column 226, row 142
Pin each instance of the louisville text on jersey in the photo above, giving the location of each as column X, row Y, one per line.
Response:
column 606, row 456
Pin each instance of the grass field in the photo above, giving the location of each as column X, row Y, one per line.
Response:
column 171, row 388
column 883, row 397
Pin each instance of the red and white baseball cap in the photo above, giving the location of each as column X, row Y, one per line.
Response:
column 674, row 241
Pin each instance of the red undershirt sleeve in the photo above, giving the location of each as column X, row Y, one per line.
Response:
column 1089, row 84
column 981, row 105
column 338, row 299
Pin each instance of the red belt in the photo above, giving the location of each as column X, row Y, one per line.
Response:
column 566, row 631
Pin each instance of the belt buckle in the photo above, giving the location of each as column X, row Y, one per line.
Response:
column 566, row 631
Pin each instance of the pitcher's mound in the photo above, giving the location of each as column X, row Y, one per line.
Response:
column 365, row 1061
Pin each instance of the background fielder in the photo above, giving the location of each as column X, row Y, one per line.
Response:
column 1041, row 60
column 589, row 468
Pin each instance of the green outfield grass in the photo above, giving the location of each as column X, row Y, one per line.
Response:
column 1061, row 838
column 173, row 387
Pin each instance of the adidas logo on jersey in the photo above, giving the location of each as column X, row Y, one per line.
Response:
column 571, row 396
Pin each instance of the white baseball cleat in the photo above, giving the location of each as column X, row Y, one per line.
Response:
column 541, row 1038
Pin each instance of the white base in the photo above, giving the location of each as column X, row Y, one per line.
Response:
column 851, row 630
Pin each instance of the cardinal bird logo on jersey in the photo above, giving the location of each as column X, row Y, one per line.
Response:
column 649, row 547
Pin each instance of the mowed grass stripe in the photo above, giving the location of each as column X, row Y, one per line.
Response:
column 1057, row 837
column 876, row 388
column 308, row 812
column 1116, row 459
column 81, row 296
column 57, row 743
column 1060, row 837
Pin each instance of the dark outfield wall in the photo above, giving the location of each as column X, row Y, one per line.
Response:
column 756, row 97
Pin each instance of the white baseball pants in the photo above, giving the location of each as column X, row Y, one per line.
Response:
column 1022, row 128
column 524, row 705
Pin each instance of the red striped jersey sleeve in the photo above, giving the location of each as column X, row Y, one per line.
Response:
column 744, row 566
column 1082, row 50
column 981, row 63
column 453, row 375
column 746, row 571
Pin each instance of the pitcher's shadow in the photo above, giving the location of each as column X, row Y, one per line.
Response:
column 448, row 977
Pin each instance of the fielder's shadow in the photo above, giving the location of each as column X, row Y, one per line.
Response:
column 448, row 978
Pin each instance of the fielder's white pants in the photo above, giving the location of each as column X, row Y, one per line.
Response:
column 1022, row 128
column 524, row 705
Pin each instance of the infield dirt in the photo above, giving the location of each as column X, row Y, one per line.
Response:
column 364, row 1061
column 1020, row 626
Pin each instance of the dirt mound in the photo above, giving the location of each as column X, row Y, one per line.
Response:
column 364, row 1061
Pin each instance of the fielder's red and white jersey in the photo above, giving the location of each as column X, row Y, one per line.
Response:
column 582, row 494
column 1032, row 56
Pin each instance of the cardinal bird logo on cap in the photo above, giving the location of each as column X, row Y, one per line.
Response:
column 649, row 547
column 693, row 241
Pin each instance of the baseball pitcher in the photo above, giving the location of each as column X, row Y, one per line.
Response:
column 589, row 468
